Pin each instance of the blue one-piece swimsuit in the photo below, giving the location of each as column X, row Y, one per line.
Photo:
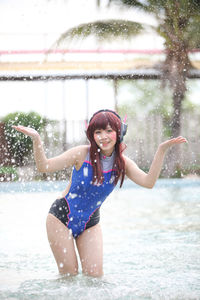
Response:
column 81, row 204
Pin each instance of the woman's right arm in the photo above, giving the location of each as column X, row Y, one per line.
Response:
column 67, row 159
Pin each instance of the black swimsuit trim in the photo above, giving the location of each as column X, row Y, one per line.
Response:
column 60, row 210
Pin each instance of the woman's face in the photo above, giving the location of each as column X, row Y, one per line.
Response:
column 105, row 139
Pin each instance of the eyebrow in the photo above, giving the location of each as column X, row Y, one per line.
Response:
column 107, row 127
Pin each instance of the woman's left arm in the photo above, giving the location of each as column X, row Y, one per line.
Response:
column 148, row 180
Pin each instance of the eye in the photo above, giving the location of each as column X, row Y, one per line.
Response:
column 97, row 132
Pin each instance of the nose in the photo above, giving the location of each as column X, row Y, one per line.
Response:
column 103, row 135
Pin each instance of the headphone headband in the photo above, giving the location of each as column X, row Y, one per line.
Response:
column 104, row 110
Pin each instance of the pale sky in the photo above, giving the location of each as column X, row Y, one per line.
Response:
column 36, row 24
column 58, row 15
column 23, row 21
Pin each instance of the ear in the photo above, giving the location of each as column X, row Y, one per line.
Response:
column 123, row 131
column 123, row 128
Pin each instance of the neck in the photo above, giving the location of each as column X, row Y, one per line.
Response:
column 107, row 153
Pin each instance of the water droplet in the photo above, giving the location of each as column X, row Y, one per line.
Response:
column 112, row 179
column 72, row 195
column 85, row 171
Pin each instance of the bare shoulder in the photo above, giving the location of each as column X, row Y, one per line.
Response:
column 82, row 150
column 72, row 157
column 129, row 162
column 79, row 154
column 126, row 159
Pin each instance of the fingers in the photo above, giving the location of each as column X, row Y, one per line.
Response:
column 26, row 130
column 180, row 139
column 19, row 128
column 172, row 142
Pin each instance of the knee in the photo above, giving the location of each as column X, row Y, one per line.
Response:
column 93, row 271
column 66, row 267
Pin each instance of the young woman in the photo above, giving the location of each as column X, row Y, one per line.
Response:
column 97, row 168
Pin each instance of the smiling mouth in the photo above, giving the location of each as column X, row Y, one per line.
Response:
column 104, row 144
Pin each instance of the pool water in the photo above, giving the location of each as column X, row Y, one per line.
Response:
column 151, row 244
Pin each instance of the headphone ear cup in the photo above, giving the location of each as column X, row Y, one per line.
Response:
column 123, row 131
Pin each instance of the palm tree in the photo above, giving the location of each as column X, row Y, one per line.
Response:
column 178, row 22
column 179, row 25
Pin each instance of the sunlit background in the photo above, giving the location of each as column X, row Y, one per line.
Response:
column 65, row 79
column 30, row 27
column 58, row 65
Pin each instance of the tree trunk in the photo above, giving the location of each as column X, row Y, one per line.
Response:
column 178, row 98
column 175, row 71
column 173, row 165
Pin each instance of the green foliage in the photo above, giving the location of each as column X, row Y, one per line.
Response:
column 177, row 19
column 142, row 97
column 145, row 97
column 192, row 169
column 19, row 144
column 178, row 22
column 105, row 29
column 131, row 3
column 8, row 174
column 180, row 172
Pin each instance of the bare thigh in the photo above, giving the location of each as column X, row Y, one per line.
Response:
column 62, row 245
column 90, row 248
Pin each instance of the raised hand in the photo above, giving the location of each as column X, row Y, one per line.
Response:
column 27, row 130
column 169, row 143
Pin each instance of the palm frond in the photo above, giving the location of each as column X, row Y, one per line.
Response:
column 193, row 32
column 102, row 30
column 146, row 6
column 130, row 3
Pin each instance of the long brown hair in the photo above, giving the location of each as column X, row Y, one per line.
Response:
column 101, row 120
